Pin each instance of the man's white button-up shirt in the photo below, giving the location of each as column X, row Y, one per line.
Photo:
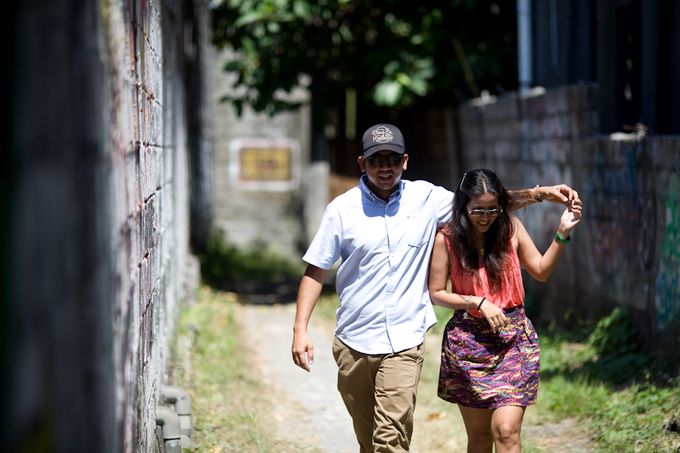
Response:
column 385, row 249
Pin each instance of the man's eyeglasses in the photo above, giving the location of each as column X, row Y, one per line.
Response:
column 378, row 160
column 478, row 212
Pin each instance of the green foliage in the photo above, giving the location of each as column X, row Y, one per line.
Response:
column 391, row 52
column 226, row 266
column 617, row 350
column 609, row 353
column 613, row 334
column 608, row 382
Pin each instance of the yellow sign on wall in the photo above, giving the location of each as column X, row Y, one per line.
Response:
column 269, row 164
column 265, row 164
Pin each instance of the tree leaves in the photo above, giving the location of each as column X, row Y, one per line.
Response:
column 391, row 52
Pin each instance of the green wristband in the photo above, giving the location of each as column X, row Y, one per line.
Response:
column 561, row 239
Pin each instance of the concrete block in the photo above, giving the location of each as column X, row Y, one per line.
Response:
column 557, row 101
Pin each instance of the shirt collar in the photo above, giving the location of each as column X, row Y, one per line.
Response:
column 367, row 192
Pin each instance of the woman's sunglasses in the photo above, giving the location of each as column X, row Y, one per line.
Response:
column 478, row 212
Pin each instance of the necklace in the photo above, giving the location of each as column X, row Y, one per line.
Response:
column 480, row 245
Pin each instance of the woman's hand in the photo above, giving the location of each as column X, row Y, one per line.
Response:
column 570, row 218
column 493, row 315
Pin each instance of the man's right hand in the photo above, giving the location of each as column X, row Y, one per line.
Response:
column 308, row 294
column 303, row 350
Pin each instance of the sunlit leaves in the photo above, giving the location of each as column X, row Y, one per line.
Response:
column 391, row 52
column 405, row 79
column 387, row 92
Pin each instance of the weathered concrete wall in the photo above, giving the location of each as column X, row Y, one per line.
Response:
column 248, row 214
column 99, row 234
column 630, row 253
column 625, row 251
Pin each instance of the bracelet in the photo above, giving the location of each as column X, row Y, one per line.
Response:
column 467, row 301
column 538, row 197
column 480, row 303
column 561, row 239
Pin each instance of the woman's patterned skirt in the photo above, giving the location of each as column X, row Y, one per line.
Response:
column 484, row 369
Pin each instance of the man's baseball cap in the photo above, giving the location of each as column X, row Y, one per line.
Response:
column 382, row 136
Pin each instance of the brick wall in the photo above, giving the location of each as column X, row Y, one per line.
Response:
column 624, row 252
column 99, row 233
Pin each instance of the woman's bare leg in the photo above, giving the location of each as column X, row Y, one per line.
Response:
column 506, row 428
column 478, row 428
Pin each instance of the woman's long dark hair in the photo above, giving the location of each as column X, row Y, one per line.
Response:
column 497, row 238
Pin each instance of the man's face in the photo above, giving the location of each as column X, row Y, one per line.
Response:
column 384, row 170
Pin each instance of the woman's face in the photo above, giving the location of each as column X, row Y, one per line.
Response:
column 482, row 211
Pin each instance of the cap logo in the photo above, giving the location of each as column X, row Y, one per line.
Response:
column 382, row 134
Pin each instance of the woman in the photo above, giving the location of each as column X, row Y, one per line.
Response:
column 490, row 352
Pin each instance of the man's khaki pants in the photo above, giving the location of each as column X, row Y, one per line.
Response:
column 379, row 392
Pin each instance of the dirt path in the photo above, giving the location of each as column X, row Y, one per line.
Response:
column 308, row 407
column 310, row 412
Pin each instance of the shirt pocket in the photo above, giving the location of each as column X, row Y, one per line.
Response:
column 418, row 230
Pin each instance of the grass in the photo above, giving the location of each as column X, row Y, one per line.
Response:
column 620, row 396
column 229, row 414
column 627, row 419
column 612, row 389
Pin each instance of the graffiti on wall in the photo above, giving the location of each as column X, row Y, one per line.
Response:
column 621, row 219
column 630, row 234
column 667, row 297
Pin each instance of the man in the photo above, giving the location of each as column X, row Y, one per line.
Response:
column 383, row 231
